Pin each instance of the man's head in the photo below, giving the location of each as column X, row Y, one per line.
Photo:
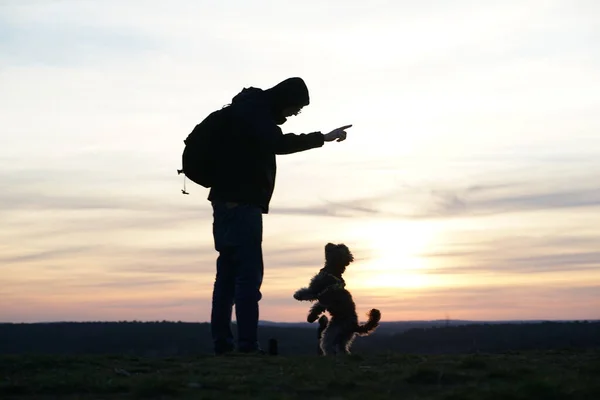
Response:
column 288, row 98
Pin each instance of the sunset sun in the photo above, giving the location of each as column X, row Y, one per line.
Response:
column 394, row 260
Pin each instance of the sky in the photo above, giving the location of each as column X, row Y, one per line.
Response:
column 467, row 188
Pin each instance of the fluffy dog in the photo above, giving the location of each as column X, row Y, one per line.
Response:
column 327, row 290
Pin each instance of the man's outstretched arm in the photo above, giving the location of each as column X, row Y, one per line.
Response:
column 292, row 143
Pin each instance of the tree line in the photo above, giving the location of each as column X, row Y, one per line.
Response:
column 183, row 339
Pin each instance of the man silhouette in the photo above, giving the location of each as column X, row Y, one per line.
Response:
column 240, row 195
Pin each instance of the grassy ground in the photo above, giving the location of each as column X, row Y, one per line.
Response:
column 538, row 375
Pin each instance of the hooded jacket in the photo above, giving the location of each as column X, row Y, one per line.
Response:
column 246, row 173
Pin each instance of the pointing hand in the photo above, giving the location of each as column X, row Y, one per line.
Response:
column 339, row 134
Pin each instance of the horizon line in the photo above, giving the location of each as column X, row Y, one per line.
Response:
column 301, row 322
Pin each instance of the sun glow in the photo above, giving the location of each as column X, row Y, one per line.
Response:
column 395, row 261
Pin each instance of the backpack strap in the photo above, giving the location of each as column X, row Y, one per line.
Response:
column 180, row 171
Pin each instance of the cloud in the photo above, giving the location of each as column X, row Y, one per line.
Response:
column 491, row 302
column 541, row 200
column 39, row 204
column 168, row 303
column 123, row 282
column 521, row 198
column 146, row 263
column 317, row 210
column 550, row 262
column 46, row 256
column 533, row 266
column 76, row 202
column 476, row 200
column 522, row 253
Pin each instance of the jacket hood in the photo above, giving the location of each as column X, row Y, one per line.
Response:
column 291, row 92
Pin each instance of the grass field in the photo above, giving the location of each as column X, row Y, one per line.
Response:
column 534, row 375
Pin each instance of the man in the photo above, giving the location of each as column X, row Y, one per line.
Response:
column 242, row 191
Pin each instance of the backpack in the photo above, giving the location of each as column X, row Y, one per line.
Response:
column 203, row 147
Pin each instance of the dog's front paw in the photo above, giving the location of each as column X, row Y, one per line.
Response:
column 304, row 295
column 312, row 317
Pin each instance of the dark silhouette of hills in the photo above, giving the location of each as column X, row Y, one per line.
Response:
column 402, row 326
column 181, row 338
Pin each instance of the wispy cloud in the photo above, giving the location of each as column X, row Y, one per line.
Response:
column 46, row 256
column 525, row 301
column 473, row 200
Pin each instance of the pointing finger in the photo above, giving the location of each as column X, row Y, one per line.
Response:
column 345, row 127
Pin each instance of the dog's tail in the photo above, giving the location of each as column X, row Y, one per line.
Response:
column 371, row 325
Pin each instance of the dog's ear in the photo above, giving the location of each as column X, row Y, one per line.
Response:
column 345, row 253
column 329, row 246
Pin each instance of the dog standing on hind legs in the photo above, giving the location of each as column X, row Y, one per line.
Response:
column 327, row 290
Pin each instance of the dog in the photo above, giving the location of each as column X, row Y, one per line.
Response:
column 328, row 290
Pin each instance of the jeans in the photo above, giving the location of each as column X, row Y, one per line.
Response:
column 237, row 232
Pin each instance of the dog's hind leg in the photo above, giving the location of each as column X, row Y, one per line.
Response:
column 328, row 345
column 345, row 343
column 323, row 321
column 330, row 339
